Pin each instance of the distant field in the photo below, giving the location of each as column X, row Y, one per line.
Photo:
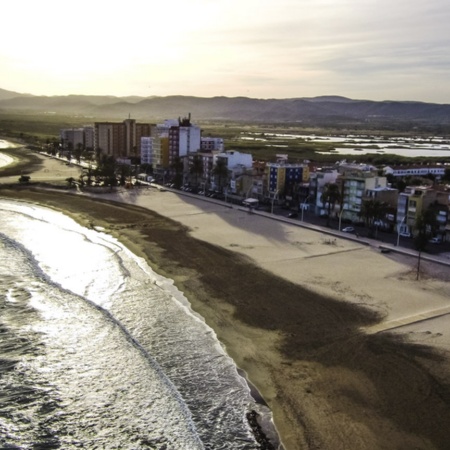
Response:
column 40, row 126
column 256, row 139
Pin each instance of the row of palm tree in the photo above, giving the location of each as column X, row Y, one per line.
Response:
column 219, row 171
column 331, row 195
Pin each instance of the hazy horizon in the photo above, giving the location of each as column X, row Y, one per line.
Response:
column 259, row 49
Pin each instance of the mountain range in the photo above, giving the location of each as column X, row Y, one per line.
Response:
column 322, row 110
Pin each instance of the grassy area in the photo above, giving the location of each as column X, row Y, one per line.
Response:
column 37, row 127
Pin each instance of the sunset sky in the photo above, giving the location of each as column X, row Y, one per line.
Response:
column 365, row 49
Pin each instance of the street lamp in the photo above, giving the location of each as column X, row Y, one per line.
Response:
column 249, row 189
column 303, row 205
column 398, row 230
column 273, row 200
column 340, row 218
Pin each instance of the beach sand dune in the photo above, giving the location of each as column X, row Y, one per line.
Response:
column 298, row 311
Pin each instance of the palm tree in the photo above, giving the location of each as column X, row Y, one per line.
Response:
column 373, row 211
column 106, row 169
column 196, row 167
column 78, row 152
column 330, row 196
column 221, row 171
column 55, row 147
column 425, row 227
column 98, row 154
column 124, row 172
column 177, row 166
column 69, row 150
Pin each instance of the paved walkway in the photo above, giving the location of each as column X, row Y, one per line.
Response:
column 404, row 321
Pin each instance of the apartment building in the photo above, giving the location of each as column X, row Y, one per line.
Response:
column 236, row 160
column 414, row 201
column 184, row 137
column 237, row 163
column 208, row 160
column 209, row 144
column 154, row 148
column 89, row 138
column 317, row 182
column 283, row 178
column 147, row 150
column 73, row 137
column 120, row 139
column 356, row 181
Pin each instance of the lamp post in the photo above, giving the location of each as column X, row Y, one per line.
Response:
column 398, row 230
column 303, row 205
column 273, row 200
column 249, row 189
column 340, row 218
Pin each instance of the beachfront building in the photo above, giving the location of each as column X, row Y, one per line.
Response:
column 147, row 156
column 388, row 197
column 284, row 180
column 237, row 161
column 248, row 185
column 236, row 164
column 184, row 137
column 206, row 160
column 72, row 137
column 317, row 182
column 154, row 148
column 120, row 139
column 414, row 201
column 356, row 181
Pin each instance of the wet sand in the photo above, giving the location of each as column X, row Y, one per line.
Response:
column 298, row 312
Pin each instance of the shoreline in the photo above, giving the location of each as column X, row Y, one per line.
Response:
column 292, row 322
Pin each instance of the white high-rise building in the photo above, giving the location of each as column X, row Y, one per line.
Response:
column 147, row 150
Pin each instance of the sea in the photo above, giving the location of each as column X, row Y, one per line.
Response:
column 97, row 351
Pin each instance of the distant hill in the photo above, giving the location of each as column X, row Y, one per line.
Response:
column 312, row 111
column 5, row 95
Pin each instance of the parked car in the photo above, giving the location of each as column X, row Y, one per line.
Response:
column 435, row 240
column 348, row 230
column 405, row 234
column 293, row 215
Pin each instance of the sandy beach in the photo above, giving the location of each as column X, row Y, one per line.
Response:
column 347, row 348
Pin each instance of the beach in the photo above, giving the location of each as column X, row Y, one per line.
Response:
column 345, row 346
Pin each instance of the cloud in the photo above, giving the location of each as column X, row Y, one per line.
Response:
column 275, row 48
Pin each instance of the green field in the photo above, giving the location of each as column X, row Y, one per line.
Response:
column 257, row 139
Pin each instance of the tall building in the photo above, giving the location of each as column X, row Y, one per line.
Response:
column 147, row 150
column 355, row 181
column 72, row 137
column 283, row 178
column 317, row 182
column 184, row 137
column 89, row 137
column 120, row 139
column 109, row 139
column 154, row 147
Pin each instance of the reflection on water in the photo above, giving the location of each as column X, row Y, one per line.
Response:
column 432, row 146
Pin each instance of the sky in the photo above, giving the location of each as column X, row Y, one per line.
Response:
column 361, row 49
